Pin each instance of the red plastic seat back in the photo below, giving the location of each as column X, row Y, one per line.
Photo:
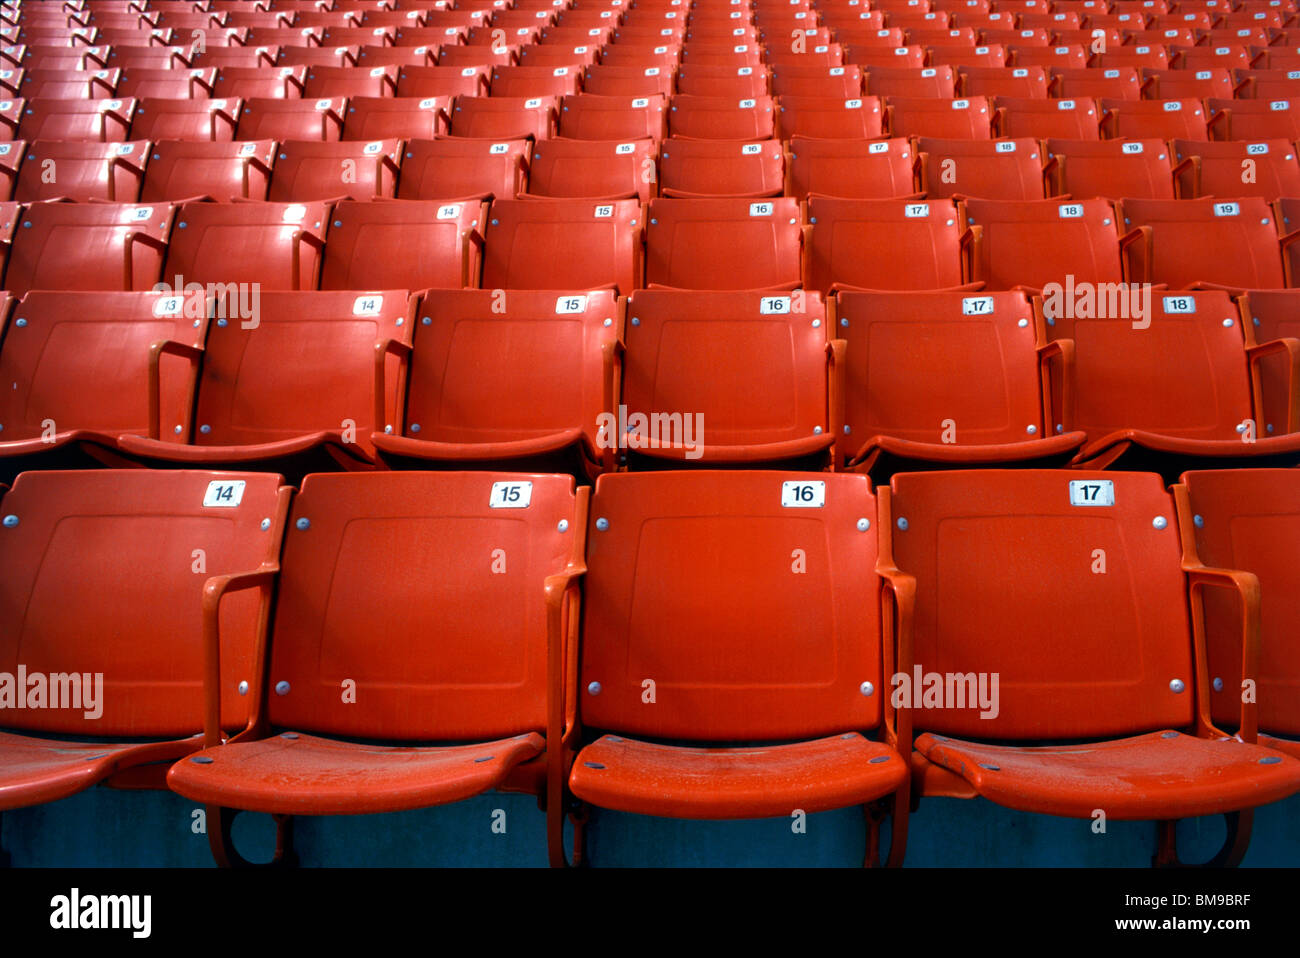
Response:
column 80, row 361
column 1037, row 242
column 455, row 167
column 427, row 590
column 1249, row 519
column 277, row 245
column 402, row 244
column 753, row 365
column 1226, row 242
column 305, row 363
column 99, row 578
column 312, row 170
column 1077, row 652
column 181, row 170
column 1179, row 371
column 980, row 345
column 853, row 169
column 754, row 613
column 82, row 171
column 108, row 246
column 724, row 243
column 884, row 244
column 158, row 119
column 487, row 369
column 563, row 244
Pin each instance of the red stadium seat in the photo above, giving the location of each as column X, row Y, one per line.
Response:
column 497, row 690
column 79, row 170
column 457, row 167
column 92, row 246
column 1254, row 120
column 211, row 120
column 946, row 379
column 722, row 118
column 280, row 120
column 936, row 81
column 1182, row 243
column 1165, row 390
column 167, row 83
column 1067, row 119
column 605, row 79
column 1161, row 119
column 698, row 168
column 1024, row 82
column 1128, row 631
column 591, row 117
column 593, row 168
column 1035, row 243
column 180, row 170
column 516, row 379
column 1272, row 324
column 570, row 244
column 1246, row 520
column 276, row 246
column 672, row 544
column 852, row 169
column 724, row 243
column 504, row 118
column 103, row 120
column 969, row 118
column 1268, row 169
column 1110, row 169
column 402, row 118
column 530, row 81
column 828, row 117
column 736, row 377
column 89, row 366
column 248, row 83
column 798, row 80
column 992, row 169
column 294, row 383
column 1186, row 84
column 312, row 170
column 884, row 244
column 403, row 244
column 137, row 630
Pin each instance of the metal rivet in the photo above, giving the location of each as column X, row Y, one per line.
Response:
column 20, row 322
column 243, row 688
column 608, row 322
column 205, row 429
column 1031, row 429
column 991, row 768
column 1051, row 321
column 878, row 759
column 1160, row 522
column 388, row 429
column 485, row 758
column 181, row 225
column 594, row 688
column 1176, row 686
column 338, row 222
column 1199, row 521
column 201, row 760
column 1023, row 323
column 10, row 521
column 178, row 429
column 196, row 323
column 864, row 525
column 844, row 322
column 425, row 321
column 495, row 222
column 847, row 430
column 1241, row 427
column 902, row 523
column 282, row 687
column 602, row 523
column 636, row 321
column 1105, row 221
column 817, row 323
column 866, row 688
column 1060, row 428
column 817, row 430
column 1270, row 760
column 221, row 322
column 564, row 525
column 1169, row 735
column 1227, row 323
column 1218, row 684
column 1268, row 427
column 1255, row 320
column 303, row 523
column 289, row 735
column 400, row 321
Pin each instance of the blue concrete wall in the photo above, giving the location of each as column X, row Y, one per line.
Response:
column 105, row 827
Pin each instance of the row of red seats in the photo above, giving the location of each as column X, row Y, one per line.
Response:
column 1024, row 169
column 704, row 244
column 591, row 116
column 586, row 382
column 898, row 644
